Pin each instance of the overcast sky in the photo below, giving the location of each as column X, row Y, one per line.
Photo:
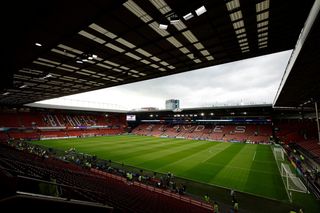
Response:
column 250, row 81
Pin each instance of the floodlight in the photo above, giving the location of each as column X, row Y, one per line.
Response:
column 174, row 19
column 163, row 26
column 188, row 16
column 48, row 75
column 201, row 10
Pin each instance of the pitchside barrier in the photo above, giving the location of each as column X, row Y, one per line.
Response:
column 291, row 181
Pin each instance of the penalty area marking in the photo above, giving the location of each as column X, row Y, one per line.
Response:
column 254, row 155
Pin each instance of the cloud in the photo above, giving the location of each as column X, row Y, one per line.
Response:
column 253, row 80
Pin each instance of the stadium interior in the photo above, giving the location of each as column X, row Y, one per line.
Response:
column 68, row 47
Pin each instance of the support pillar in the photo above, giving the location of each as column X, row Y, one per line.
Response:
column 317, row 117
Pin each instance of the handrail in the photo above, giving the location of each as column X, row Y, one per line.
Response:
column 58, row 184
column 75, row 201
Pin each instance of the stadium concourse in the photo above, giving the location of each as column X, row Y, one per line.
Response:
column 60, row 48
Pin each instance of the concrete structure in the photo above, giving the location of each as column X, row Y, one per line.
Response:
column 172, row 104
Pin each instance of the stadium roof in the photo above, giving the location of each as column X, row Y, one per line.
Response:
column 258, row 110
column 225, row 107
column 60, row 48
column 76, row 108
column 300, row 85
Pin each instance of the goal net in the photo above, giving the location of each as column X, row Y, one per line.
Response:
column 291, row 181
column 278, row 153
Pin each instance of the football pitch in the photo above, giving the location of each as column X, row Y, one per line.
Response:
column 247, row 168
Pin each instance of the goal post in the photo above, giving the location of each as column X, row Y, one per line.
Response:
column 278, row 153
column 291, row 181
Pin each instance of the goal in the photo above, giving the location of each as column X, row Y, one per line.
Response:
column 278, row 153
column 291, row 181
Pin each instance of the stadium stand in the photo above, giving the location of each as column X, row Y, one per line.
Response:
column 236, row 133
column 300, row 132
column 296, row 130
column 75, row 182
column 54, row 68
column 42, row 125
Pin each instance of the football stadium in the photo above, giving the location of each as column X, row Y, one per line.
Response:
column 246, row 158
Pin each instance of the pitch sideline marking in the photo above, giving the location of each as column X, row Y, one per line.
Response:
column 254, row 155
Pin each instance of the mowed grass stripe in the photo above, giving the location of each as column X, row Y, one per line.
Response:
column 96, row 143
column 183, row 164
column 235, row 173
column 130, row 145
column 264, row 178
column 172, row 155
column 124, row 141
column 144, row 159
column 206, row 171
column 135, row 142
column 92, row 141
column 123, row 154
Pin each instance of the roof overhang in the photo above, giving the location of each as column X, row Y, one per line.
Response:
column 86, row 109
column 129, row 45
column 300, row 84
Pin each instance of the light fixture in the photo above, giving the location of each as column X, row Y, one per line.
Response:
column 174, row 19
column 23, row 86
column 188, row 16
column 38, row 44
column 46, row 76
column 163, row 26
column 6, row 93
column 85, row 57
column 201, row 10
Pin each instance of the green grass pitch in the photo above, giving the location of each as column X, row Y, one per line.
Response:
column 244, row 167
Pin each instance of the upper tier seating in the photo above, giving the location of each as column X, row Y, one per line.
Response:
column 301, row 132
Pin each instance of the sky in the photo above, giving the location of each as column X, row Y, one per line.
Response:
column 250, row 81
